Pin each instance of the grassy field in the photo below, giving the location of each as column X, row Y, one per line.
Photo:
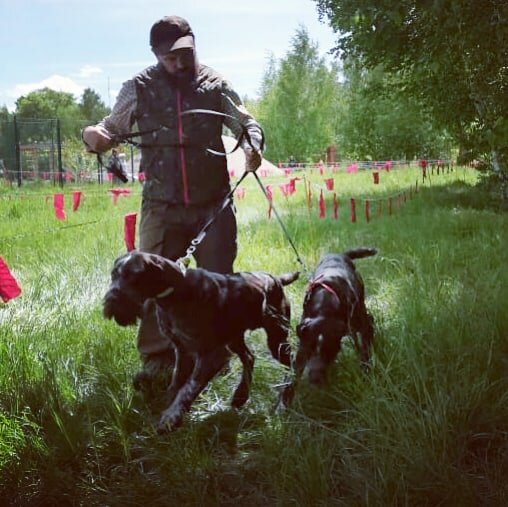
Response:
column 427, row 426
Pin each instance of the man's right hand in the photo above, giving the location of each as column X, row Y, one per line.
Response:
column 97, row 139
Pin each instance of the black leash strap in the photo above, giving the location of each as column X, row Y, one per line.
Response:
column 183, row 262
column 128, row 138
column 283, row 227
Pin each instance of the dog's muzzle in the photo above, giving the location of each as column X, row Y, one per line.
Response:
column 123, row 309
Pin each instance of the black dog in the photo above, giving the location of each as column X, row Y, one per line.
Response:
column 205, row 316
column 334, row 306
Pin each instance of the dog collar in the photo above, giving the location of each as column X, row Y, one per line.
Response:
column 165, row 293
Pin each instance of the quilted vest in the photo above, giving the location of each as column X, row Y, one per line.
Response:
column 174, row 157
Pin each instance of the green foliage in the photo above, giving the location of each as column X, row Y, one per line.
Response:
column 92, row 108
column 380, row 121
column 299, row 102
column 453, row 54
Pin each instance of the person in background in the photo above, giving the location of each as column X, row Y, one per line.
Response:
column 116, row 167
column 186, row 181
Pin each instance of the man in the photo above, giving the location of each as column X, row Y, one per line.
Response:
column 186, row 182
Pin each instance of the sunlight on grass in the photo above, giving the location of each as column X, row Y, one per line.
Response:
column 426, row 426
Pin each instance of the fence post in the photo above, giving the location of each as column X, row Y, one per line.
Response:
column 59, row 151
column 132, row 163
column 17, row 149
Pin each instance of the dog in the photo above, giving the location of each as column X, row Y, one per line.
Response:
column 204, row 315
column 333, row 307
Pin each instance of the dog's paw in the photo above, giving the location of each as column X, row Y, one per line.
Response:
column 286, row 395
column 169, row 422
column 240, row 397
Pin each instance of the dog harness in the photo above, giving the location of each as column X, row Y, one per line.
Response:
column 316, row 283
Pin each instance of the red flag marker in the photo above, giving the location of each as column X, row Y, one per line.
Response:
column 141, row 177
column 322, row 206
column 292, row 185
column 9, row 288
column 129, row 231
column 335, row 207
column 352, row 206
column 329, row 182
column 76, row 200
column 375, row 175
column 388, row 166
column 58, row 205
column 367, row 211
column 269, row 193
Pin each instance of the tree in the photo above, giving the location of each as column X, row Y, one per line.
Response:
column 298, row 107
column 92, row 108
column 47, row 104
column 454, row 56
column 381, row 122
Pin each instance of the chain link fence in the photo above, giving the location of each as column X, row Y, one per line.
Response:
column 48, row 151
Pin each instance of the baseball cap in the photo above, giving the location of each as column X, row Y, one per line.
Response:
column 170, row 33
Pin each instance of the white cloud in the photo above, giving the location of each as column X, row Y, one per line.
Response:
column 88, row 71
column 54, row 82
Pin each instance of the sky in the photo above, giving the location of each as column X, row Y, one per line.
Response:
column 70, row 45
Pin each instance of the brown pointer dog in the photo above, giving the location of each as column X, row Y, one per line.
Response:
column 205, row 316
column 334, row 306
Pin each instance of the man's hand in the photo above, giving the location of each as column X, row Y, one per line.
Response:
column 253, row 159
column 97, row 139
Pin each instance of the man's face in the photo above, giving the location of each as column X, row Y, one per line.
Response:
column 179, row 63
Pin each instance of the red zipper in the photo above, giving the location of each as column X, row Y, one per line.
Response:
column 183, row 165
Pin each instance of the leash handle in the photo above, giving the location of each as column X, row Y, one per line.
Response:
column 281, row 223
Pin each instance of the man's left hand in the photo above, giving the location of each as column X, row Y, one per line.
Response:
column 253, row 159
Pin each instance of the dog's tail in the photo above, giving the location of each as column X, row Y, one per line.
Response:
column 359, row 253
column 288, row 278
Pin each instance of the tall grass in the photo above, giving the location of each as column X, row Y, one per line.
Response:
column 427, row 426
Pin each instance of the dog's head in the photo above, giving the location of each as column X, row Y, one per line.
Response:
column 136, row 277
column 320, row 340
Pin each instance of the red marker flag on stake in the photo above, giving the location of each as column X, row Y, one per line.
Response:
column 329, row 182
column 76, row 200
column 141, row 177
column 322, row 206
column 58, row 205
column 270, row 198
column 292, row 185
column 388, row 166
column 129, row 231
column 375, row 175
column 352, row 206
column 9, row 288
column 367, row 211
column 116, row 192
column 240, row 193
column 335, row 207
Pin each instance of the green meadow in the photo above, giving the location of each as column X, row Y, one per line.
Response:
column 428, row 425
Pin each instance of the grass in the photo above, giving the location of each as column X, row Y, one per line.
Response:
column 427, row 426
